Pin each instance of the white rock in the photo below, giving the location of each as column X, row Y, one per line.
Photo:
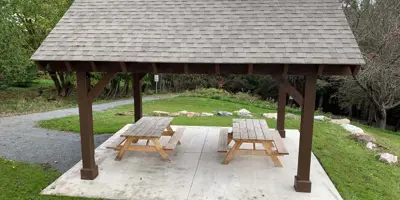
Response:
column 340, row 121
column 352, row 129
column 183, row 112
column 271, row 115
column 206, row 114
column 244, row 113
column 371, row 146
column 160, row 113
column 363, row 137
column 175, row 114
column 192, row 114
column 388, row 158
column 224, row 113
column 291, row 116
column 319, row 118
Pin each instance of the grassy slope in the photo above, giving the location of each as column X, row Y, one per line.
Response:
column 354, row 170
column 24, row 100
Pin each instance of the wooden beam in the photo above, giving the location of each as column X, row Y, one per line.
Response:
column 285, row 70
column 93, row 66
column 302, row 181
column 280, row 122
column 217, row 70
column 354, row 70
column 290, row 89
column 154, row 66
column 137, row 95
column 99, row 87
column 40, row 66
column 205, row 68
column 320, row 70
column 185, row 69
column 123, row 67
column 68, row 66
column 250, row 69
column 89, row 169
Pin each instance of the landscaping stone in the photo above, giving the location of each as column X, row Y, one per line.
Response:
column 371, row 146
column 352, row 129
column 175, row 114
column 160, row 113
column 129, row 113
column 206, row 114
column 291, row 116
column 271, row 115
column 340, row 121
column 319, row 118
column 224, row 113
column 183, row 112
column 244, row 113
column 363, row 137
column 192, row 114
column 388, row 158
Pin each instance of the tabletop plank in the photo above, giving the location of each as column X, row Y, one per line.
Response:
column 235, row 129
column 265, row 129
column 257, row 128
column 149, row 127
column 250, row 129
column 243, row 129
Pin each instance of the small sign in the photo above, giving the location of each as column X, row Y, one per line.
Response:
column 156, row 78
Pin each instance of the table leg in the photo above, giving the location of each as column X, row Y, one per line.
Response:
column 232, row 152
column 124, row 147
column 160, row 149
column 268, row 148
column 229, row 138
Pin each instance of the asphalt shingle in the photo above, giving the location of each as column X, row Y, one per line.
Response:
column 203, row 31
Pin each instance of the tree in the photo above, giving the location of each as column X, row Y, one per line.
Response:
column 376, row 26
column 27, row 23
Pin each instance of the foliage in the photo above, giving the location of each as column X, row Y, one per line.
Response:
column 24, row 25
column 376, row 28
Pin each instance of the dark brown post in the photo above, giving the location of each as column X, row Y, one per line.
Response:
column 302, row 181
column 137, row 95
column 89, row 169
column 280, row 122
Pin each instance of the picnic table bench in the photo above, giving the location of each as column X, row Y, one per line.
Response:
column 252, row 131
column 150, row 129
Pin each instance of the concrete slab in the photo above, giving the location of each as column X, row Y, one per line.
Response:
column 194, row 173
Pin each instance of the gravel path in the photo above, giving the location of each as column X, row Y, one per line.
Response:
column 20, row 140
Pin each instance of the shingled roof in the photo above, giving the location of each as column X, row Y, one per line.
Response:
column 203, row 31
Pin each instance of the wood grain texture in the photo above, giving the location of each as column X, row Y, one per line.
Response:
column 223, row 140
column 175, row 139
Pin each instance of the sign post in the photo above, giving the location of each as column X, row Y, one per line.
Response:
column 156, row 79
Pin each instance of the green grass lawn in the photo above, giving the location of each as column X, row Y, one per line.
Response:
column 354, row 170
column 103, row 124
column 20, row 181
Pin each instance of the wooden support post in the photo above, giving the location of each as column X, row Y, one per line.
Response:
column 137, row 95
column 89, row 169
column 302, row 181
column 280, row 122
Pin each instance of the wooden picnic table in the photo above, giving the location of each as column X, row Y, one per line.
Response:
column 150, row 129
column 252, row 131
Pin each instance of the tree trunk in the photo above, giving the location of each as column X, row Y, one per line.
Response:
column 56, row 82
column 382, row 118
column 321, row 101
